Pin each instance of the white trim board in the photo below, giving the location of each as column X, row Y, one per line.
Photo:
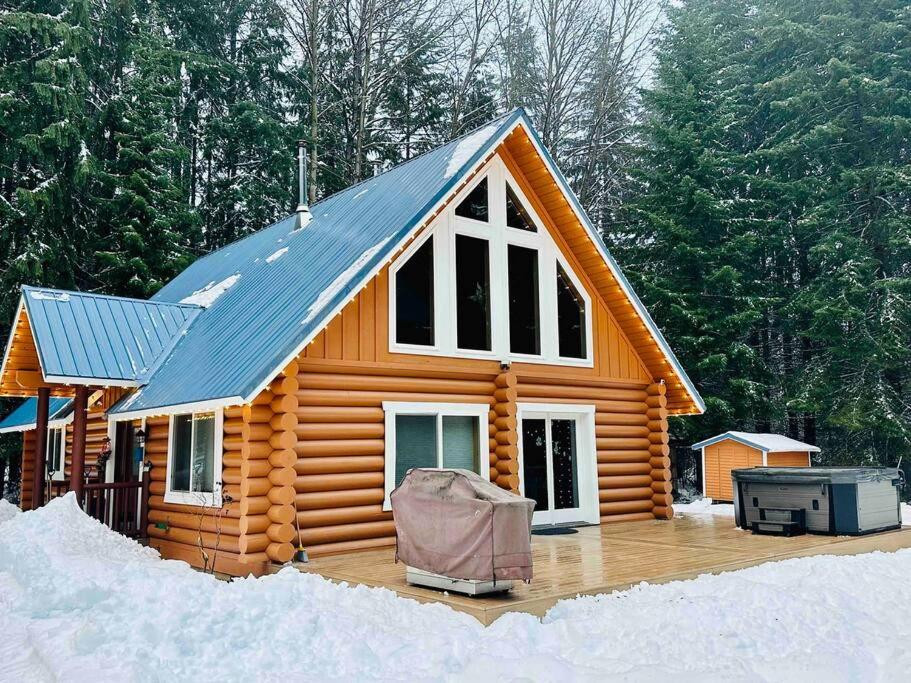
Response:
column 587, row 456
column 198, row 498
column 391, row 409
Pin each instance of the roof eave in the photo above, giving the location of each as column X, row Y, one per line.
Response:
column 625, row 285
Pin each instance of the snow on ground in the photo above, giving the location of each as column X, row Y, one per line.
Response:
column 79, row 602
column 704, row 506
column 7, row 510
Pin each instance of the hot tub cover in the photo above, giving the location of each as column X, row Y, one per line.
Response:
column 455, row 523
column 815, row 475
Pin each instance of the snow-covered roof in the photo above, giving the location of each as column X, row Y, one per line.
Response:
column 770, row 443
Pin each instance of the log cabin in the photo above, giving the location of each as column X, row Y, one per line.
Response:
column 457, row 310
column 733, row 450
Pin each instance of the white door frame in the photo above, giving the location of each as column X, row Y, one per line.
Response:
column 586, row 459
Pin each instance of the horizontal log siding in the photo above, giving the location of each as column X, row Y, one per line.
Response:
column 622, row 443
column 660, row 451
column 28, row 469
column 201, row 536
column 96, row 429
column 340, row 448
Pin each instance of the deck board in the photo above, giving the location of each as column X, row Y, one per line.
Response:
column 601, row 559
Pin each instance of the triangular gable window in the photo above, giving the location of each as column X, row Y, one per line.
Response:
column 516, row 215
column 475, row 205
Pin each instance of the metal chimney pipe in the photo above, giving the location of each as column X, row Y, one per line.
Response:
column 302, row 177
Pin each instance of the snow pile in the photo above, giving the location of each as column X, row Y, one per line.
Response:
column 467, row 147
column 276, row 255
column 78, row 602
column 703, row 506
column 905, row 511
column 207, row 296
column 7, row 511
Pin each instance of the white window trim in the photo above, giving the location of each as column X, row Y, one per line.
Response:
column 198, row 498
column 437, row 313
column 587, row 457
column 440, row 410
column 443, row 231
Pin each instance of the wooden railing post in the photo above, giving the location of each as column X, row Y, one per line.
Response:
column 77, row 477
column 40, row 471
column 143, row 529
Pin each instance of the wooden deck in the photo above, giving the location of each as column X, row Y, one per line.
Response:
column 610, row 557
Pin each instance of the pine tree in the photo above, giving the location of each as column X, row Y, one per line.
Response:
column 771, row 237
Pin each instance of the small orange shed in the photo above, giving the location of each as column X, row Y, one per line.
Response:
column 733, row 450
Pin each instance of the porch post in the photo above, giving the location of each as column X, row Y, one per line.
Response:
column 40, row 472
column 77, row 469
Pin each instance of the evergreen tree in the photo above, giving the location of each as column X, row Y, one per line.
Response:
column 771, row 238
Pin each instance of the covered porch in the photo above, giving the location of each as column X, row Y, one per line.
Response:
column 72, row 357
column 602, row 559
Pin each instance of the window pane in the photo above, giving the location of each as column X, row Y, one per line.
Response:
column 566, row 476
column 204, row 453
column 182, row 445
column 415, row 443
column 524, row 334
column 534, row 462
column 460, row 442
column 472, row 293
column 570, row 317
column 414, row 298
column 516, row 215
column 52, row 458
column 475, row 204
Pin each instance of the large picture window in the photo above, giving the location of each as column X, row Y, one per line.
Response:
column 433, row 435
column 473, row 293
column 524, row 329
column 194, row 459
column 570, row 317
column 475, row 205
column 489, row 280
column 414, row 298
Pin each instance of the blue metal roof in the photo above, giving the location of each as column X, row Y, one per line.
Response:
column 114, row 340
column 275, row 288
column 24, row 416
column 234, row 317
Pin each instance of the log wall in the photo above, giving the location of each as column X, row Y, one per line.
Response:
column 207, row 537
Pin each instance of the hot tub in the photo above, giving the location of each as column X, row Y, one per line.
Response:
column 820, row 500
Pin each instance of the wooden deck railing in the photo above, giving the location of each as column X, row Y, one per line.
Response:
column 116, row 505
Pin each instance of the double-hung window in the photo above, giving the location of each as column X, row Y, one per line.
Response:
column 434, row 435
column 194, row 459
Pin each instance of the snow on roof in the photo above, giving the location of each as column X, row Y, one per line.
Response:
column 274, row 256
column 468, row 146
column 209, row 294
column 24, row 417
column 771, row 443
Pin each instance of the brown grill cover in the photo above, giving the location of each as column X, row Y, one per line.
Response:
column 457, row 524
